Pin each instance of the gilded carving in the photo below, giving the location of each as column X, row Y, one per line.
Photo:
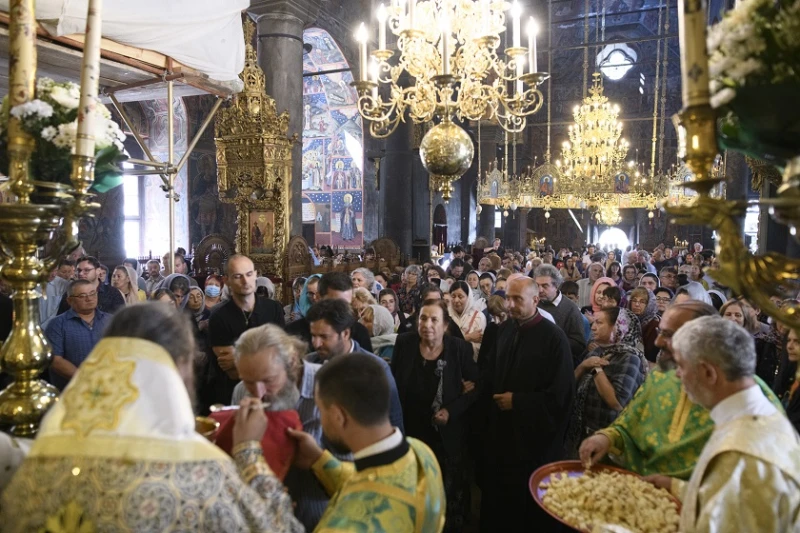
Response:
column 254, row 161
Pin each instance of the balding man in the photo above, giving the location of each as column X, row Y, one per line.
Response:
column 661, row 431
column 530, row 386
column 748, row 476
column 228, row 321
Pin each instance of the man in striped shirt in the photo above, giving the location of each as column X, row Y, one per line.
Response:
column 271, row 367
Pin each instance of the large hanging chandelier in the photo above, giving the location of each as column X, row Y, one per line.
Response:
column 594, row 150
column 447, row 66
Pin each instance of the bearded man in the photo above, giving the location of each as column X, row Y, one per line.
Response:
column 661, row 431
column 270, row 365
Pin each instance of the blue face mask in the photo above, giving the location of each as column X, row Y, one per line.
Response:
column 212, row 291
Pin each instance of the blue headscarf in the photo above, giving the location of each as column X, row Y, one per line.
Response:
column 305, row 302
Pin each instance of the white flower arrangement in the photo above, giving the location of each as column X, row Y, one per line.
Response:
column 52, row 120
column 755, row 44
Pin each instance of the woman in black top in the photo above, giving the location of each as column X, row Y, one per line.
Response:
column 430, row 369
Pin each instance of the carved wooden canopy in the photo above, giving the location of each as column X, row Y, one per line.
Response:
column 254, row 162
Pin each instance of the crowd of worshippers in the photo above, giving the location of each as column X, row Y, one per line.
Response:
column 420, row 392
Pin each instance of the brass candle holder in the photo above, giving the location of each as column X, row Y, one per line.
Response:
column 756, row 277
column 26, row 227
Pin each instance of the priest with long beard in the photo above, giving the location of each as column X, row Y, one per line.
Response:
column 270, row 364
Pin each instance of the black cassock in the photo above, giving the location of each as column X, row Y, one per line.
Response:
column 533, row 361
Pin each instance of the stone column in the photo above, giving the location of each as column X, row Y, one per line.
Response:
column 397, row 199
column 280, row 54
column 489, row 138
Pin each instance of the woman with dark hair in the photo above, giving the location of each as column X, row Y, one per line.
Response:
column 642, row 303
column 388, row 299
column 663, row 298
column 435, row 272
column 467, row 312
column 166, row 296
column 628, row 282
column 614, row 271
column 569, row 271
column 767, row 343
column 430, row 369
column 609, row 375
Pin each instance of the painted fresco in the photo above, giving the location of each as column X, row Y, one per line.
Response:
column 333, row 154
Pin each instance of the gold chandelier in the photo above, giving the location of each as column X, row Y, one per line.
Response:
column 608, row 214
column 595, row 149
column 450, row 50
column 448, row 66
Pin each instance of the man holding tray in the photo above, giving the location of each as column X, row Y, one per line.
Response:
column 748, row 475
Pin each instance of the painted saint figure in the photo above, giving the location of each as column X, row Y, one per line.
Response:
column 347, row 218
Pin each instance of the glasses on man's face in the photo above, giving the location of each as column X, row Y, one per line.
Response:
column 85, row 295
column 667, row 334
column 663, row 299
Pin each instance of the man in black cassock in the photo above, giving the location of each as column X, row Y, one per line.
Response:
column 530, row 385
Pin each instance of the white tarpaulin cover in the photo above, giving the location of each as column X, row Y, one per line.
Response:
column 205, row 35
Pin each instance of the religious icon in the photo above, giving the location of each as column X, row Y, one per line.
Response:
column 347, row 220
column 494, row 187
column 546, row 185
column 622, row 183
column 262, row 234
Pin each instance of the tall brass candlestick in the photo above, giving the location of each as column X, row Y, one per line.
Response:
column 22, row 81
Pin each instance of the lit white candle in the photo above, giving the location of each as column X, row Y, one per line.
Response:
column 516, row 14
column 445, row 23
column 533, row 29
column 90, row 76
column 411, row 6
column 381, row 14
column 361, row 37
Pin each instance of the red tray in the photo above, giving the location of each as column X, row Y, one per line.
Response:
column 573, row 469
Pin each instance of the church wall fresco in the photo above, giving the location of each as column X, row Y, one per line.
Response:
column 207, row 214
column 333, row 140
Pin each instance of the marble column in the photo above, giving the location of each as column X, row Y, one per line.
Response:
column 280, row 54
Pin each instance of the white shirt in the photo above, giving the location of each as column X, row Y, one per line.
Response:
column 558, row 299
column 749, row 402
column 384, row 445
column 546, row 315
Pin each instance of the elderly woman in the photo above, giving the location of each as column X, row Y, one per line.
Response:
column 692, row 291
column 388, row 299
column 467, row 313
column 124, row 279
column 767, row 344
column 649, row 282
column 409, row 292
column 361, row 299
column 609, row 375
column 380, row 325
column 363, row 277
column 430, row 369
column 642, row 303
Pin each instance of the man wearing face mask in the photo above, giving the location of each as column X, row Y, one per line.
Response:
column 661, row 431
column 272, row 369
